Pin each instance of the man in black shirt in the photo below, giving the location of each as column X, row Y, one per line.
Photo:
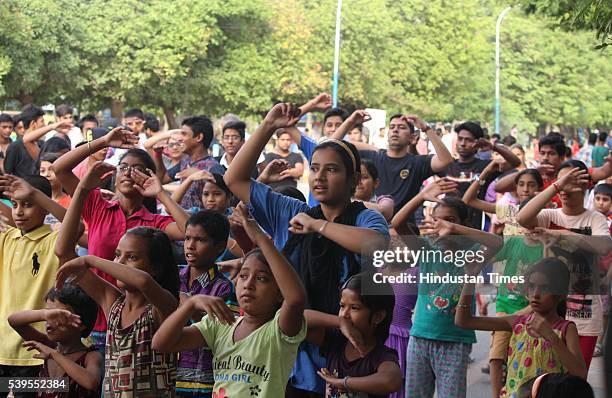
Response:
column 468, row 167
column 18, row 161
column 295, row 162
column 401, row 173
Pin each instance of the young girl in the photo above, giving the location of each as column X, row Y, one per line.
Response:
column 438, row 351
column 253, row 355
column 148, row 278
column 570, row 224
column 69, row 315
column 360, row 363
column 323, row 243
column 58, row 194
column 541, row 341
column 364, row 192
column 528, row 183
column 107, row 221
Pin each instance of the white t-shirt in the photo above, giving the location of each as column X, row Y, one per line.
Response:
column 584, row 310
column 74, row 135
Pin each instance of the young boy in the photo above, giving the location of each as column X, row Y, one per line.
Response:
column 28, row 264
column 603, row 201
column 18, row 161
column 206, row 237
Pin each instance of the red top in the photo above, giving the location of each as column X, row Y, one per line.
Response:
column 107, row 224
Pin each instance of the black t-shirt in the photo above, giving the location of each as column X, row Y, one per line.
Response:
column 18, row 161
column 463, row 174
column 401, row 178
column 292, row 159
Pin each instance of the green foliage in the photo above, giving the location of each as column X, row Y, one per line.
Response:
column 432, row 57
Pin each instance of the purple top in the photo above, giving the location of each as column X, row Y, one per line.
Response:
column 193, row 196
column 333, row 350
column 196, row 366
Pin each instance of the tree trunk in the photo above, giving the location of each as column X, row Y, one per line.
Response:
column 170, row 119
column 116, row 109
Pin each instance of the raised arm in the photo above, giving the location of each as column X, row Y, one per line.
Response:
column 238, row 177
column 31, row 137
column 22, row 322
column 429, row 193
column 528, row 215
column 18, row 189
column 116, row 138
column 443, row 158
column 292, row 289
column 69, row 230
column 470, row 197
column 603, row 172
column 357, row 117
column 140, row 280
column 466, row 320
column 182, row 189
column 150, row 186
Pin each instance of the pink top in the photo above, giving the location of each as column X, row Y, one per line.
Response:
column 107, row 224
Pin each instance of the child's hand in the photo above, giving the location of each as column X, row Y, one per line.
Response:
column 302, row 223
column 547, row 237
column 359, row 117
column 148, row 186
column 15, row 188
column 214, row 306
column 484, row 144
column 438, row 227
column 437, row 188
column 273, row 171
column 242, row 216
column 572, row 181
column 537, row 326
column 184, row 174
column 231, row 267
column 331, row 379
column 119, row 137
column 283, row 115
column 202, row 175
column 97, row 175
column 546, row 169
column 44, row 352
column 70, row 272
column 353, row 335
column 59, row 317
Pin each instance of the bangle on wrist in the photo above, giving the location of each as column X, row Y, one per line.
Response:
column 464, row 306
column 345, row 383
column 323, row 227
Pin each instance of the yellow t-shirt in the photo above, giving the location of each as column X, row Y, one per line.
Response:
column 29, row 265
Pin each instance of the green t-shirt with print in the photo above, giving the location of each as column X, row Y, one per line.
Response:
column 256, row 366
column 518, row 256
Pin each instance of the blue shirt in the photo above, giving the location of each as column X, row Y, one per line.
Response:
column 308, row 146
column 273, row 212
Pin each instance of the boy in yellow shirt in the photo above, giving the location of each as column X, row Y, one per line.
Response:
column 29, row 264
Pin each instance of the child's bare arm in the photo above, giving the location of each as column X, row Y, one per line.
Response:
column 22, row 322
column 160, row 298
column 386, row 380
column 291, row 287
column 87, row 377
column 464, row 318
column 174, row 336
column 101, row 291
column 19, row 189
column 568, row 351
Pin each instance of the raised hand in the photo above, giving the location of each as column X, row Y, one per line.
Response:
column 302, row 223
column 359, row 117
column 202, row 175
column 320, row 103
column 437, row 227
column 572, row 181
column 71, row 272
column 15, row 187
column 537, row 326
column 437, row 188
column 214, row 306
column 64, row 125
column 120, row 137
column 417, row 121
column 283, row 115
column 273, row 171
column 147, row 185
column 58, row 317
column 484, row 144
column 44, row 352
column 546, row 169
column 186, row 173
column 242, row 216
column 97, row 175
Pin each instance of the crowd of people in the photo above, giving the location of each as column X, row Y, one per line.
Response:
column 137, row 264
